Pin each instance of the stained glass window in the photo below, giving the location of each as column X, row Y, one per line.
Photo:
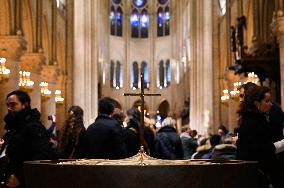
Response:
column 116, row 18
column 135, row 75
column 134, row 20
column 163, row 18
column 146, row 74
column 139, row 3
column 144, row 22
column 168, row 73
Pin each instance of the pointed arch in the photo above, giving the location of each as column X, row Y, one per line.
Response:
column 112, row 20
column 144, row 66
column 5, row 17
column 60, row 48
column 134, row 22
column 119, row 21
column 161, row 74
column 160, row 28
column 134, row 75
column 144, row 23
column 45, row 38
column 112, row 74
column 168, row 73
column 27, row 25
column 167, row 20
column 164, row 109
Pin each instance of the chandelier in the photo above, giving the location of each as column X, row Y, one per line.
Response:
column 225, row 97
column 235, row 92
column 45, row 92
column 4, row 72
column 25, row 82
column 252, row 77
column 58, row 98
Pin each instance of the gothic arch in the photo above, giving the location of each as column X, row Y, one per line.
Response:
column 45, row 38
column 27, row 25
column 164, row 108
column 60, row 52
column 5, row 17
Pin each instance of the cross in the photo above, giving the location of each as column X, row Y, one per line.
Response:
column 142, row 94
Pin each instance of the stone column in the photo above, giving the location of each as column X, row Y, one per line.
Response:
column 201, row 73
column 85, row 58
column 48, row 105
column 278, row 29
column 33, row 62
column 11, row 48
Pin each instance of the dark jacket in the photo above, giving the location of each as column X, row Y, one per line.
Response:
column 276, row 120
column 105, row 139
column 255, row 139
column 168, row 144
column 26, row 140
column 189, row 146
column 132, row 138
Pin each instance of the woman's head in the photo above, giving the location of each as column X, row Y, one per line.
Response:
column 258, row 99
column 77, row 111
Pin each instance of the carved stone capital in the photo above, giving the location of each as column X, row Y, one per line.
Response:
column 12, row 47
column 32, row 62
column 49, row 73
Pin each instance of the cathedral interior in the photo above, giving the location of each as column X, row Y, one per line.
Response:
column 195, row 53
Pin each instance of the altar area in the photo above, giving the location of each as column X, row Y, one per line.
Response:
column 141, row 171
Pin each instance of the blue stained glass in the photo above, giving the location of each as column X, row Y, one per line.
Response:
column 111, row 16
column 134, row 19
column 118, row 17
column 144, row 20
column 139, row 3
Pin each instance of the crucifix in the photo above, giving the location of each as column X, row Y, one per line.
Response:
column 142, row 94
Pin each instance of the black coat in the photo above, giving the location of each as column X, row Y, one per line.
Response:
column 26, row 140
column 105, row 139
column 168, row 144
column 255, row 139
column 132, row 138
column 276, row 120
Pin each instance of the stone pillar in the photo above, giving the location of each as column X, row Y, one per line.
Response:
column 201, row 73
column 86, row 58
column 48, row 105
column 278, row 30
column 33, row 62
column 11, row 48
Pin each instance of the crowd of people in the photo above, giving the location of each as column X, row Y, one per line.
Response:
column 116, row 135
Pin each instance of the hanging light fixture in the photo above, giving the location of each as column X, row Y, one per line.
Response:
column 58, row 98
column 4, row 72
column 25, row 82
column 225, row 97
column 45, row 92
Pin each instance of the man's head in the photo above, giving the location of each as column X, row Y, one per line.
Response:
column 17, row 100
column 106, row 105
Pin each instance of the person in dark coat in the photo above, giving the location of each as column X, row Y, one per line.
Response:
column 73, row 144
column 168, row 144
column 132, row 133
column 255, row 140
column 26, row 138
column 105, row 135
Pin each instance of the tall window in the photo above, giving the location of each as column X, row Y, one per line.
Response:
column 168, row 73
column 161, row 74
column 134, row 76
column 139, row 19
column 164, row 74
column 116, row 18
column 163, row 18
column 144, row 66
column 116, row 75
column 111, row 74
